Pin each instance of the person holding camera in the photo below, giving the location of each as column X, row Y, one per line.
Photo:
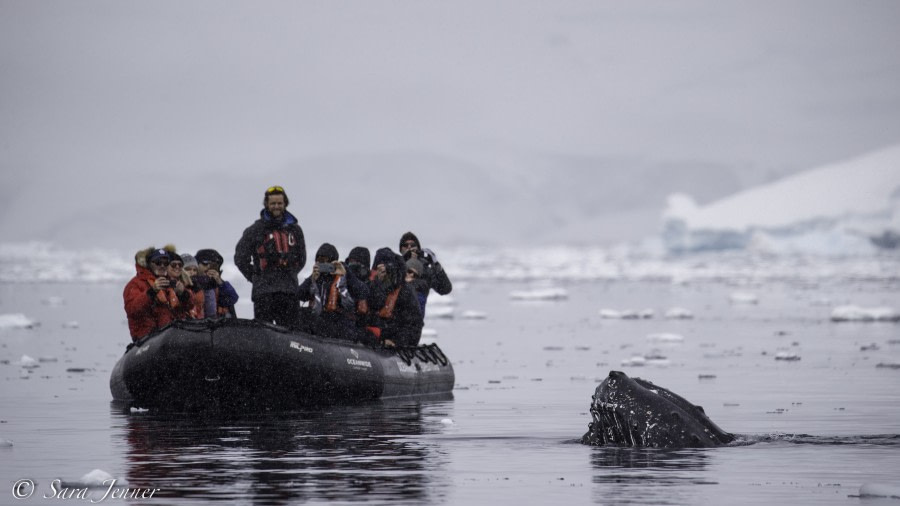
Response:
column 219, row 297
column 270, row 254
column 332, row 295
column 394, row 317
column 152, row 301
column 433, row 275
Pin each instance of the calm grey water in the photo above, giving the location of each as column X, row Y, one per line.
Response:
column 812, row 430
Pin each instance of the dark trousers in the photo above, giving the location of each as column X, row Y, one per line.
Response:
column 279, row 308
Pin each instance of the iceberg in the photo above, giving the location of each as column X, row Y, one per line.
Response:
column 848, row 207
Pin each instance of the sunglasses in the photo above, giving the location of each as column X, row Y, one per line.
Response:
column 176, row 265
column 274, row 189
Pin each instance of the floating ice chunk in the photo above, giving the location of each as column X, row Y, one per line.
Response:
column 5, row 443
column 441, row 300
column 540, row 294
column 447, row 421
column 28, row 362
column 743, row 298
column 445, row 312
column 880, row 490
column 627, row 314
column 54, row 301
column 852, row 313
column 96, row 478
column 787, row 356
column 665, row 337
column 631, row 314
column 679, row 313
column 16, row 321
column 635, row 361
column 473, row 315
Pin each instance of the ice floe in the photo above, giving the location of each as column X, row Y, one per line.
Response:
column 649, row 359
column 53, row 301
column 540, row 294
column 665, row 337
column 788, row 356
column 851, row 313
column 16, row 321
column 28, row 362
column 743, row 298
column 627, row 314
column 473, row 315
column 445, row 312
column 96, row 478
column 679, row 313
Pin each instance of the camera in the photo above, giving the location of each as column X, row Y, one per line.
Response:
column 326, row 268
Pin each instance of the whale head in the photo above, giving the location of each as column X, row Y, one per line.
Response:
column 633, row 412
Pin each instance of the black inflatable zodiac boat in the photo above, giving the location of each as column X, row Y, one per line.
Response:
column 236, row 363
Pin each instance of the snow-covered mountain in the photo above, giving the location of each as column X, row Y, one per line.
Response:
column 849, row 207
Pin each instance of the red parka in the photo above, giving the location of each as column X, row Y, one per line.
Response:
column 148, row 309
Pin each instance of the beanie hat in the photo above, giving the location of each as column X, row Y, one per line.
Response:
column 415, row 265
column 209, row 255
column 409, row 236
column 189, row 260
column 328, row 251
column 361, row 255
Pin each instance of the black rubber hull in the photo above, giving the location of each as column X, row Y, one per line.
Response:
column 241, row 364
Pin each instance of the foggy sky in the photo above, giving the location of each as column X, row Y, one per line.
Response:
column 101, row 98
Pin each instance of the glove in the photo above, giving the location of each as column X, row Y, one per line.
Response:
column 429, row 255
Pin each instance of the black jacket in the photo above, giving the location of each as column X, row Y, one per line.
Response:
column 270, row 254
column 405, row 325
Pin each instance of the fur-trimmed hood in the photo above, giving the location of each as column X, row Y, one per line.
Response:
column 140, row 258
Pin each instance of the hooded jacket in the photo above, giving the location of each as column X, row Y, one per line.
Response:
column 271, row 253
column 146, row 308
column 433, row 276
column 393, row 307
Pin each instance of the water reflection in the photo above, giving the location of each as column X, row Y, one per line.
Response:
column 340, row 453
column 646, row 475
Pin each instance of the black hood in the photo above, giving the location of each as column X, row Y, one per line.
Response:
column 409, row 236
column 328, row 251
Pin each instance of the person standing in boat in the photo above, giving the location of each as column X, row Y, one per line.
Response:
column 270, row 254
column 151, row 300
column 332, row 294
column 219, row 297
column 394, row 317
column 433, row 275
